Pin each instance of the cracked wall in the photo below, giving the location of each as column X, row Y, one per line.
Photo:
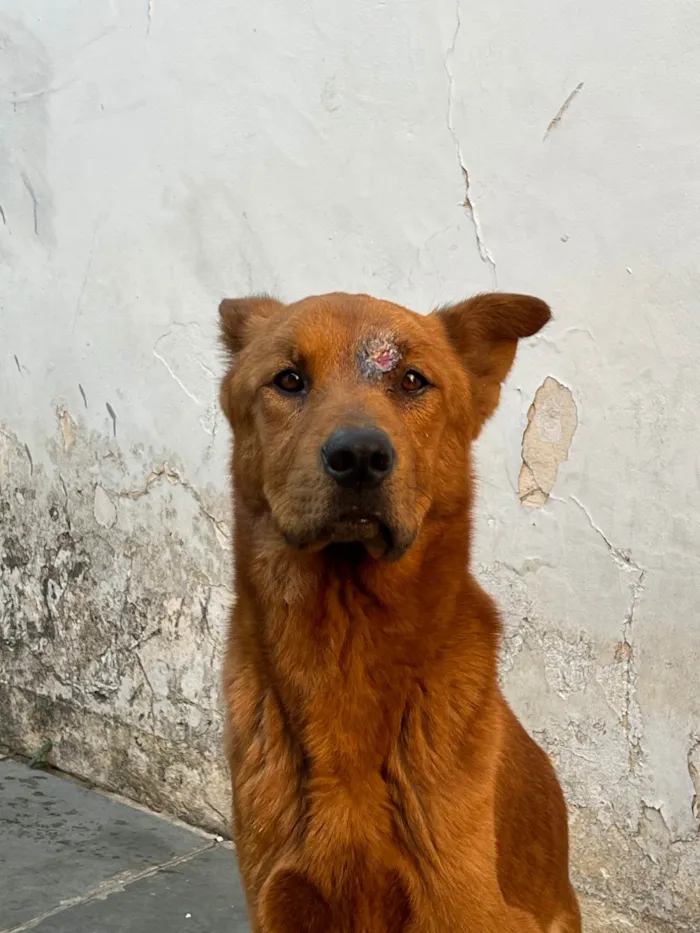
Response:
column 112, row 597
column 422, row 152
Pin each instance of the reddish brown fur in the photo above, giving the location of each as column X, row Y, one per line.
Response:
column 380, row 781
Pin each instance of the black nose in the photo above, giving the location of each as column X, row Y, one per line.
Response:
column 358, row 456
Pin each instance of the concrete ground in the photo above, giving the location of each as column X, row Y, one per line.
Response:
column 73, row 860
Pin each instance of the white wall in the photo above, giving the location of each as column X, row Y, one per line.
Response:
column 155, row 156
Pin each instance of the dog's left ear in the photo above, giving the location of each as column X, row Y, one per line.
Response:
column 484, row 331
column 241, row 318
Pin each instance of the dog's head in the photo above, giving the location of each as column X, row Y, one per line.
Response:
column 353, row 417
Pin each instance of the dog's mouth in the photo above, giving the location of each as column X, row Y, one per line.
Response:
column 355, row 532
column 372, row 532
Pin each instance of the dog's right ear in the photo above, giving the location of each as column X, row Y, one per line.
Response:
column 484, row 330
column 241, row 318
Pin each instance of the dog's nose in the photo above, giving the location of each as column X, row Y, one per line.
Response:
column 358, row 456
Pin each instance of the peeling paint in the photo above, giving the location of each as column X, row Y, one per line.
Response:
column 113, row 598
column 67, row 429
column 104, row 509
column 565, row 688
column 694, row 772
column 551, row 424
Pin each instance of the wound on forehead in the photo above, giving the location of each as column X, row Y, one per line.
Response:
column 377, row 356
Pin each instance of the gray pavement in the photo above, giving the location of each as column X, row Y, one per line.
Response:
column 76, row 861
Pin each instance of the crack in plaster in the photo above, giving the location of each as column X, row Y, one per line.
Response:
column 179, row 381
column 205, row 613
column 468, row 203
column 224, row 819
column 86, row 276
column 623, row 559
column 556, row 120
column 113, row 415
column 65, row 502
column 29, row 96
column 625, row 655
column 175, row 479
column 694, row 772
column 152, row 693
column 35, row 202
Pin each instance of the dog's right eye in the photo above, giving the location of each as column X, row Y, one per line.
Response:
column 289, row 381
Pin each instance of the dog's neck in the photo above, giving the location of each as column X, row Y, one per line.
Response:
column 323, row 629
column 319, row 598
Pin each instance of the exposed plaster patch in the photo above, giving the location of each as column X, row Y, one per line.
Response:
column 653, row 834
column 468, row 203
column 554, row 123
column 568, row 662
column 67, row 426
column 104, row 509
column 551, row 424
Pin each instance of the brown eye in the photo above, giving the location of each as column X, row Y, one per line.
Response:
column 290, row 382
column 413, row 382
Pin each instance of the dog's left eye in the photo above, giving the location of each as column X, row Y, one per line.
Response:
column 413, row 382
column 289, row 381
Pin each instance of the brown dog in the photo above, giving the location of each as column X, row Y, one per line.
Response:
column 380, row 781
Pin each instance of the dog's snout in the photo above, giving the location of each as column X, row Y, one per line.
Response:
column 358, row 456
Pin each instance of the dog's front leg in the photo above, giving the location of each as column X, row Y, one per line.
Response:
column 290, row 903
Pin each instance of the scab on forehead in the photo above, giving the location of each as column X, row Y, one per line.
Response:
column 378, row 356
